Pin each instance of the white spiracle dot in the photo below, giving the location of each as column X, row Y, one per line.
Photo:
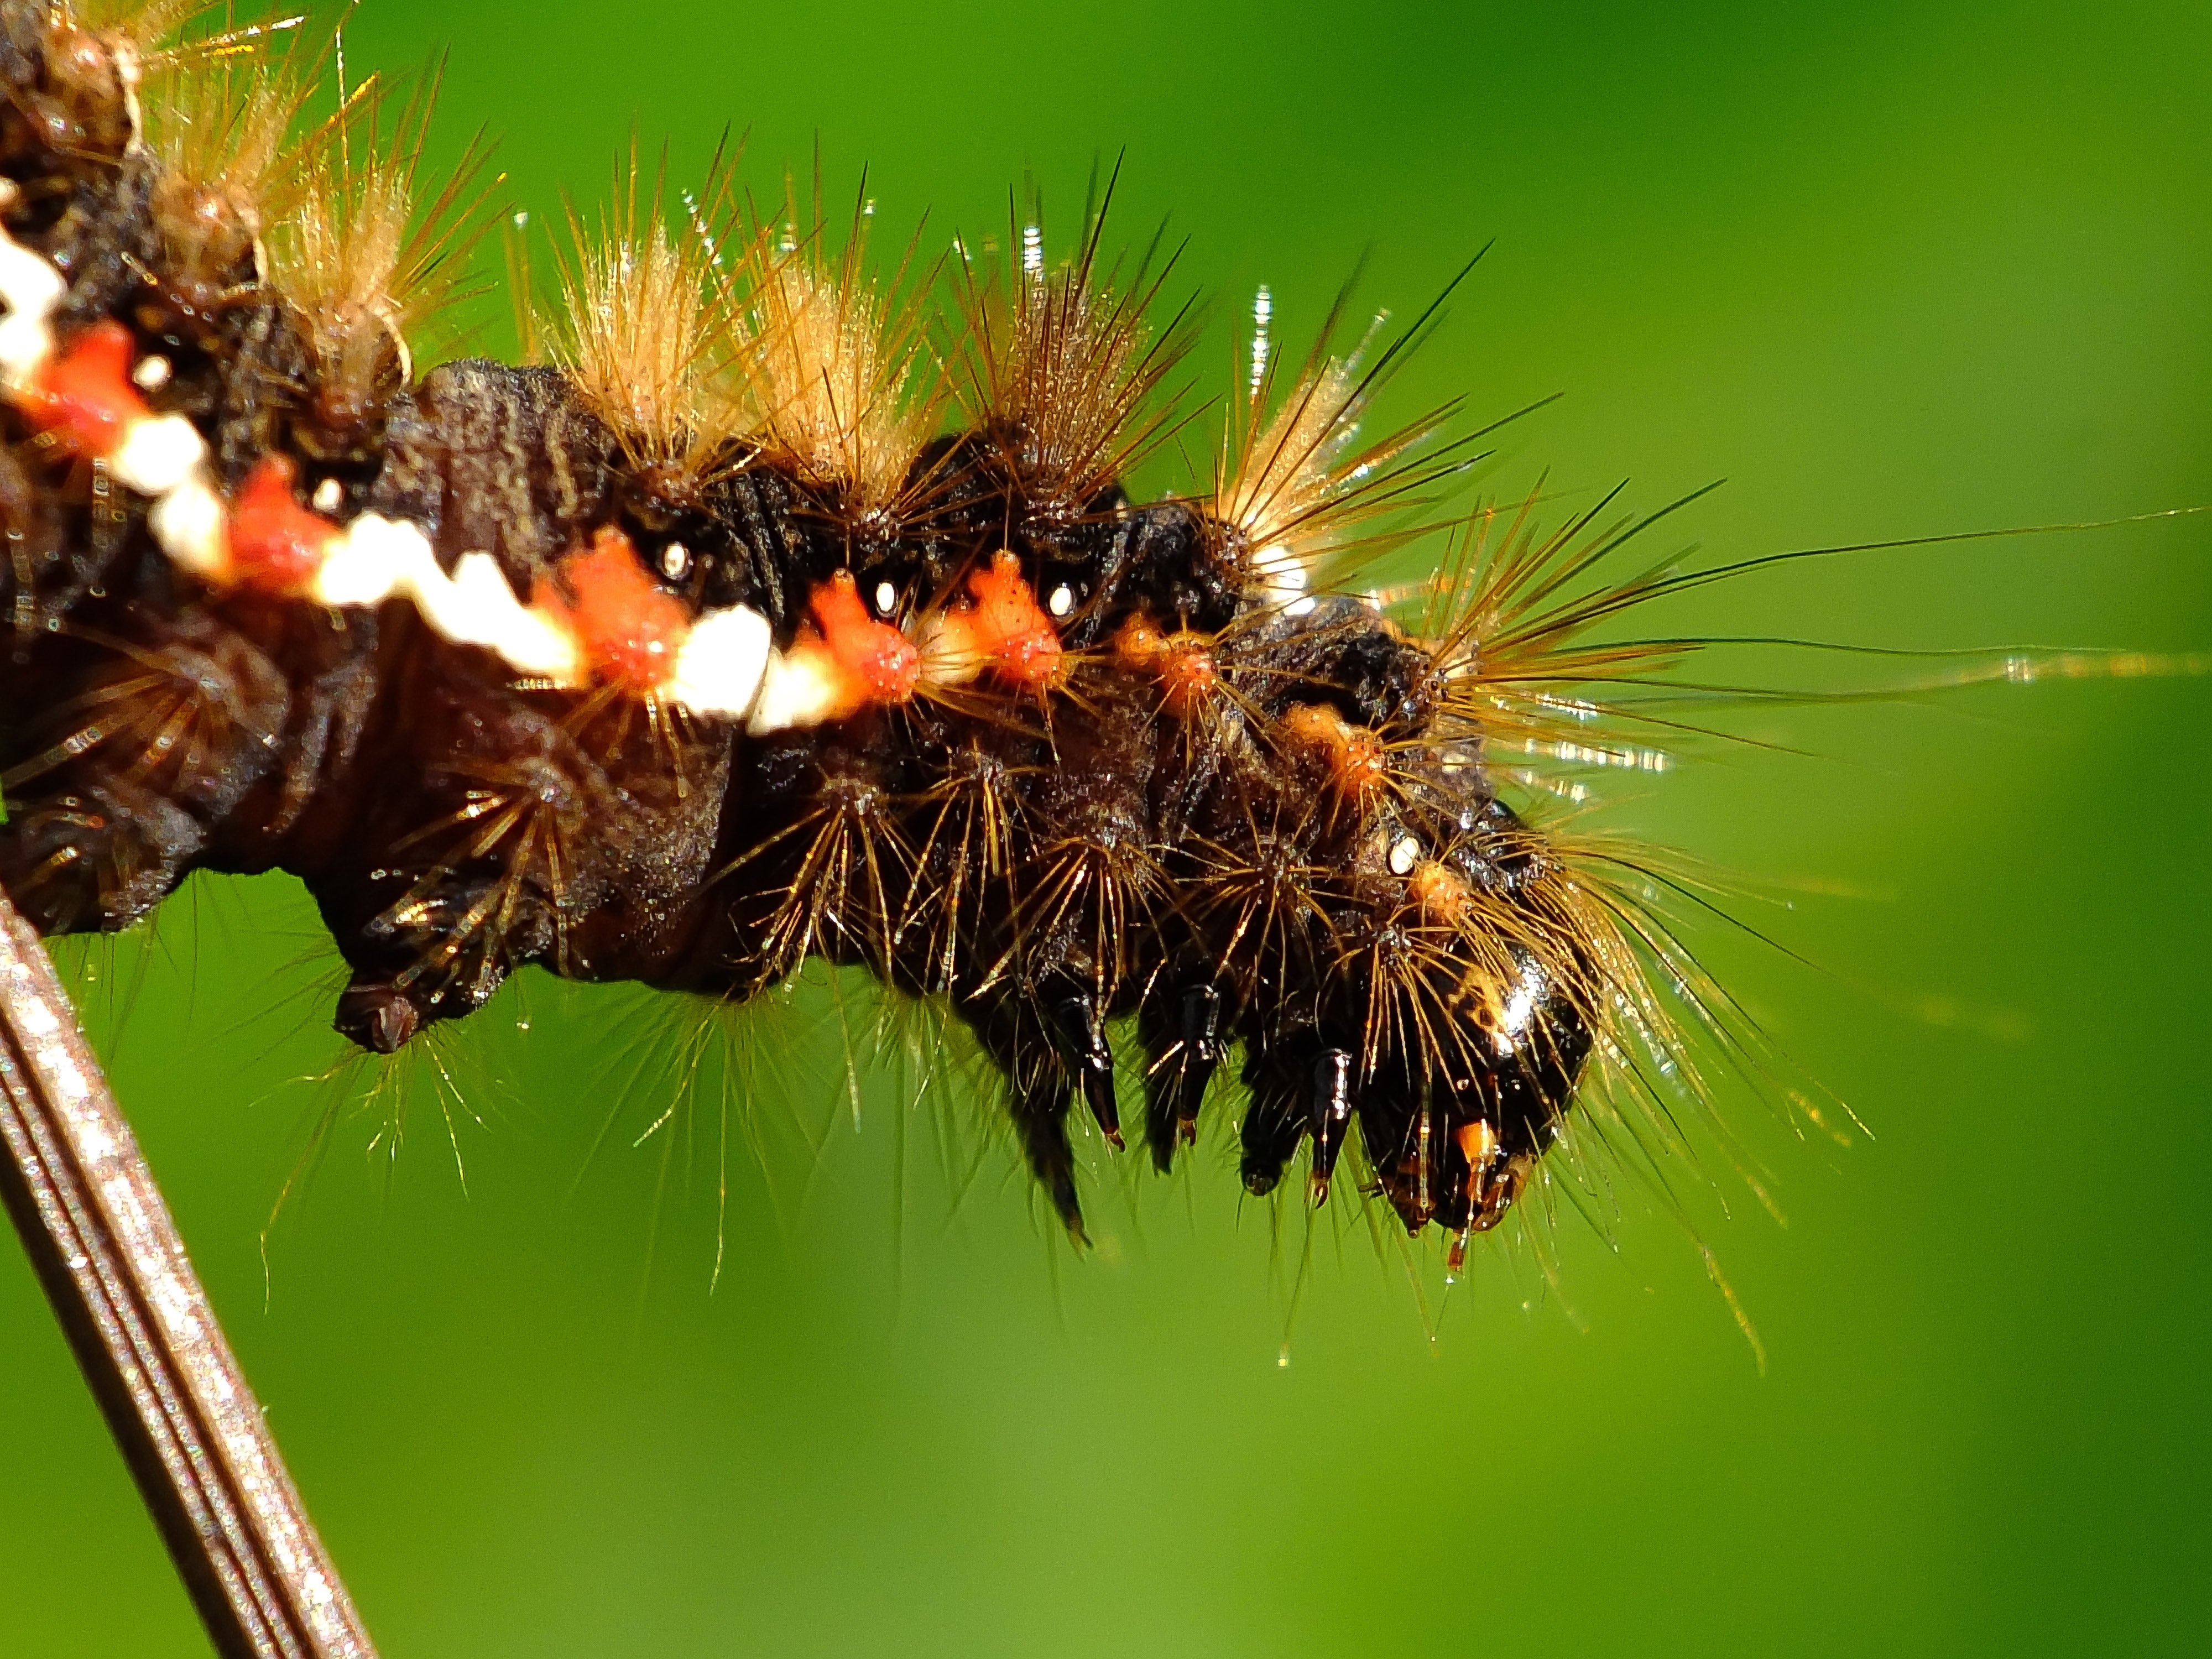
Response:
column 886, row 598
column 1405, row 854
column 1060, row 601
column 151, row 374
column 675, row 561
column 329, row 496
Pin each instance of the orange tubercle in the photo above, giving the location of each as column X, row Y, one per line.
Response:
column 629, row 627
column 1182, row 662
column 1443, row 897
column 276, row 544
column 1357, row 766
column 1140, row 643
column 1188, row 679
column 883, row 664
column 83, row 396
column 1010, row 629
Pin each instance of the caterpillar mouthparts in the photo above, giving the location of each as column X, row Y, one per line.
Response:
column 716, row 645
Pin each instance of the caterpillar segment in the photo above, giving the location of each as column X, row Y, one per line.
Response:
column 702, row 651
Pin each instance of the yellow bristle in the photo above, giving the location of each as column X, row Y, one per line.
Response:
column 644, row 335
column 1284, row 474
column 834, row 370
column 147, row 21
column 149, row 38
column 1064, row 363
column 1295, row 479
column 364, row 269
column 1509, row 616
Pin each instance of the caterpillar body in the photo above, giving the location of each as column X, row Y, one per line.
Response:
column 762, row 625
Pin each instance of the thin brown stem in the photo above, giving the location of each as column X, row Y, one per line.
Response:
column 97, row 1231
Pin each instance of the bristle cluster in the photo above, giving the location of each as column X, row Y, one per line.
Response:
column 840, row 385
column 642, row 332
column 1067, row 359
column 225, row 130
column 708, row 650
column 363, row 261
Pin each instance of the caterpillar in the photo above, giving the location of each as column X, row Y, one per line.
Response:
column 774, row 618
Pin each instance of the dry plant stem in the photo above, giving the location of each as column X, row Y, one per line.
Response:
column 100, row 1237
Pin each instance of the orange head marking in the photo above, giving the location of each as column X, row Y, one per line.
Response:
column 1140, row 644
column 1011, row 629
column 629, row 627
column 883, row 664
column 276, row 544
column 83, row 396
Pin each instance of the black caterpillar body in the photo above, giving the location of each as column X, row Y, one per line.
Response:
column 1208, row 810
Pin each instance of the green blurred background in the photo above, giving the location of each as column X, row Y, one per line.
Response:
column 1891, row 269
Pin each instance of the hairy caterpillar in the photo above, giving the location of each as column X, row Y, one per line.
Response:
column 718, row 645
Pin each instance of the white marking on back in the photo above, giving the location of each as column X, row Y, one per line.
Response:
column 377, row 558
column 158, row 453
column 726, row 667
column 32, row 288
column 722, row 663
column 364, row 567
column 189, row 523
column 798, row 690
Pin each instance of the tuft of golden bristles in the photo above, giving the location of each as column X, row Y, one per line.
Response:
column 643, row 330
column 365, row 262
column 1063, row 365
column 837, row 373
column 222, row 124
column 1294, row 479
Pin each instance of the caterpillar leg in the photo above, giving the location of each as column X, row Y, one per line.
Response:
column 1050, row 1044
column 1286, row 1078
column 118, row 793
column 579, row 840
column 1078, row 1026
column 454, row 872
column 1182, row 1028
